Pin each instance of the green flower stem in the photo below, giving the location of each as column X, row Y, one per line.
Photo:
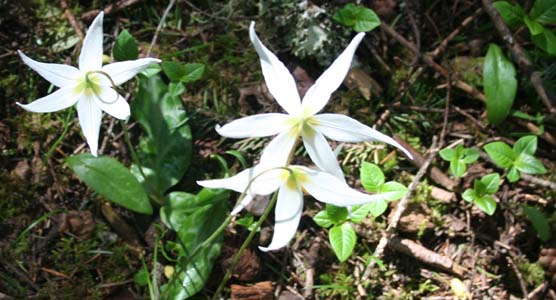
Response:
column 159, row 199
column 245, row 244
column 58, row 141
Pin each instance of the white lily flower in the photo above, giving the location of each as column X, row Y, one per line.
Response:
column 290, row 183
column 302, row 118
column 90, row 85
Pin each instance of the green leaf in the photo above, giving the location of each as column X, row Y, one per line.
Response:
column 534, row 26
column 486, row 204
column 491, row 183
column 447, row 154
column 141, row 278
column 125, row 47
column 501, row 154
column 392, row 191
column 165, row 150
column 336, row 214
column 360, row 18
column 539, row 221
column 469, row 195
column 526, row 144
column 546, row 41
column 184, row 73
column 377, row 208
column 193, row 72
column 529, row 164
column 112, row 180
column 343, row 239
column 499, row 83
column 371, row 177
column 471, row 155
column 173, row 70
column 323, row 220
column 458, row 167
column 195, row 218
column 544, row 11
column 513, row 174
column 359, row 213
column 512, row 14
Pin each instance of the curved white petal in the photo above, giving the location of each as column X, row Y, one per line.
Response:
column 121, row 72
column 278, row 79
column 289, row 207
column 318, row 95
column 244, row 202
column 90, row 116
column 345, row 129
column 277, row 151
column 57, row 74
column 60, row 99
column 113, row 103
column 90, row 57
column 254, row 126
column 266, row 181
column 320, row 152
column 329, row 189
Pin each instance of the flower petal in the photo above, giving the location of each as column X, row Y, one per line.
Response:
column 278, row 150
column 278, row 79
column 91, row 51
column 327, row 188
column 289, row 207
column 244, row 202
column 320, row 152
column 345, row 129
column 113, row 103
column 60, row 99
column 57, row 74
column 266, row 181
column 318, row 95
column 90, row 116
column 121, row 72
column 254, row 126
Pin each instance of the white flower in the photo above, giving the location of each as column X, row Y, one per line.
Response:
column 290, row 183
column 302, row 118
column 90, row 86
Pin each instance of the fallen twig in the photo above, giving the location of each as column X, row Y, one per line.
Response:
column 159, row 27
column 71, row 19
column 109, row 9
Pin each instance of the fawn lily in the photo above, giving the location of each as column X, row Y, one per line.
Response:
column 290, row 183
column 302, row 118
column 90, row 86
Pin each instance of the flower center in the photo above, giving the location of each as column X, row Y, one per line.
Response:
column 294, row 177
column 302, row 123
column 90, row 85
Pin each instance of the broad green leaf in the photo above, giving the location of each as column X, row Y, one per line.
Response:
column 359, row 213
column 447, row 154
column 151, row 70
column 360, row 18
column 458, row 167
column 125, row 47
column 546, row 41
column 491, row 183
column 248, row 222
column 112, row 180
column 184, row 73
column 539, row 221
column 512, row 14
column 526, row 144
column 173, row 70
column 469, row 195
column 544, row 11
column 486, row 204
column 165, row 150
column 513, row 174
column 479, row 187
column 377, row 208
column 501, row 154
column 195, row 218
column 141, row 278
column 336, row 214
column 343, row 239
column 534, row 26
column 499, row 83
column 392, row 191
column 529, row 164
column 471, row 155
column 193, row 72
column 371, row 177
column 323, row 220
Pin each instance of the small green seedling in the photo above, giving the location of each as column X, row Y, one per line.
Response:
column 358, row 17
column 459, row 158
column 519, row 159
column 482, row 191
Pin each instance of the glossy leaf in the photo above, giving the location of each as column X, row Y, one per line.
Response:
column 544, row 11
column 393, row 191
column 529, row 164
column 447, row 154
column 513, row 174
column 501, row 154
column 323, row 220
column 458, row 167
column 125, row 47
column 486, row 204
column 469, row 195
column 371, row 177
column 500, row 84
column 377, row 208
column 360, row 18
column 359, row 213
column 512, row 14
column 539, row 221
column 183, row 73
column 533, row 26
column 336, row 214
column 112, row 180
column 165, row 150
column 471, row 155
column 491, row 183
column 546, row 41
column 526, row 144
column 343, row 239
